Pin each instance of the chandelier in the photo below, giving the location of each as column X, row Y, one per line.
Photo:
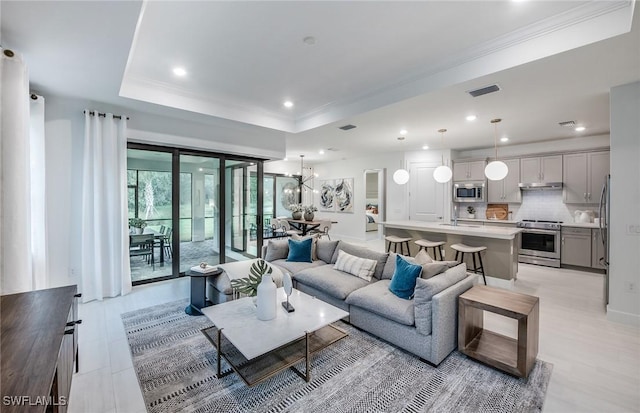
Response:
column 306, row 175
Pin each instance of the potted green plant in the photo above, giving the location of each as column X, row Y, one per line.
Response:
column 308, row 212
column 138, row 223
column 296, row 211
column 472, row 211
column 249, row 285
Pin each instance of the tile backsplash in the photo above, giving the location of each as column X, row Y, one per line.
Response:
column 544, row 205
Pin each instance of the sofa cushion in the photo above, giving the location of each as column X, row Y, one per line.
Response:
column 436, row 267
column 404, row 278
column 333, row 282
column 295, row 267
column 325, row 249
column 300, row 251
column 362, row 252
column 389, row 267
column 379, row 300
column 277, row 249
column 427, row 288
column 360, row 267
column 423, row 258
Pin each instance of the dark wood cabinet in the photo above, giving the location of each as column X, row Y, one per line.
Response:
column 39, row 348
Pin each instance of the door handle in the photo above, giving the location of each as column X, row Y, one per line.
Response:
column 588, row 195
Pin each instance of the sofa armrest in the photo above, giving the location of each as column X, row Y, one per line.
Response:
column 444, row 309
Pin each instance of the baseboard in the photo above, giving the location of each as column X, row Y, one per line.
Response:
column 622, row 317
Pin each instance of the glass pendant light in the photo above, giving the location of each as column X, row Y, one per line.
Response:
column 496, row 170
column 442, row 173
column 401, row 176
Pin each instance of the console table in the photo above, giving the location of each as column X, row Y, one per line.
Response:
column 513, row 356
column 39, row 348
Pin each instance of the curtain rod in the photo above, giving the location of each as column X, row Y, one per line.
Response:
column 104, row 115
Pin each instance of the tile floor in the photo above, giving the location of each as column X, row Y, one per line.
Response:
column 596, row 362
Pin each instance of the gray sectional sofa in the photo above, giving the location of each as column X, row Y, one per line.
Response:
column 425, row 325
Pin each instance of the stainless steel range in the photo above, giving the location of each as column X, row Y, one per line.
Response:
column 540, row 242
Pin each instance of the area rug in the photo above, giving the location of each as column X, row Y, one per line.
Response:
column 176, row 366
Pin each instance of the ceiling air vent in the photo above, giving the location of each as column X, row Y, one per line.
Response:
column 483, row 90
column 333, row 149
column 347, row 127
column 568, row 123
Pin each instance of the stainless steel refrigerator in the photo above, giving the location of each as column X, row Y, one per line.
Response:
column 604, row 214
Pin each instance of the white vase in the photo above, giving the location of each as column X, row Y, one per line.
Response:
column 139, row 231
column 267, row 298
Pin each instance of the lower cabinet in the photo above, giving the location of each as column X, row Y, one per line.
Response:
column 576, row 246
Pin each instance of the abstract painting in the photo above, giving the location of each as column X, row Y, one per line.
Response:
column 343, row 195
column 327, row 202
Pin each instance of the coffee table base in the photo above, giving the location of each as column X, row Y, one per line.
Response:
column 269, row 364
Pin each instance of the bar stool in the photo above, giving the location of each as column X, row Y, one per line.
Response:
column 462, row 249
column 426, row 244
column 393, row 240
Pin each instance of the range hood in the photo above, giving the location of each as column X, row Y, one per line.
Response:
column 539, row 186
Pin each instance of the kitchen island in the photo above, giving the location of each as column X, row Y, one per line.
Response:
column 500, row 259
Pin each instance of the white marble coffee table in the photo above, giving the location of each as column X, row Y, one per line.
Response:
column 257, row 350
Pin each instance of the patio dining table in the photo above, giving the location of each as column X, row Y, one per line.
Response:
column 157, row 235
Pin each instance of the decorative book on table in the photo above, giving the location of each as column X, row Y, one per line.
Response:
column 207, row 269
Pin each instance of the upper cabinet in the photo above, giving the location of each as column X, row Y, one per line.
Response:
column 468, row 171
column 584, row 176
column 541, row 169
column 506, row 190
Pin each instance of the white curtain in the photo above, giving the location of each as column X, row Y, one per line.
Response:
column 39, row 232
column 105, row 270
column 15, row 224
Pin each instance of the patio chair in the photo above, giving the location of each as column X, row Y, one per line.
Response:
column 286, row 228
column 142, row 246
column 168, row 247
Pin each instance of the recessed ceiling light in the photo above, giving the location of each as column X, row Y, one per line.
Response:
column 425, row 147
column 321, row 151
column 471, row 117
column 179, row 71
column 200, row 169
column 403, row 132
column 285, row 159
column 504, row 139
column 580, row 128
column 288, row 104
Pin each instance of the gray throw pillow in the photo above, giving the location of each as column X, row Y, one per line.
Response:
column 325, row 250
column 277, row 249
column 362, row 252
column 426, row 289
column 436, row 267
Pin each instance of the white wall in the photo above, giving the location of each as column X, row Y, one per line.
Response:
column 624, row 271
column 64, row 131
column 353, row 225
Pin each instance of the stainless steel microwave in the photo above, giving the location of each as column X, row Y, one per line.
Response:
column 469, row 191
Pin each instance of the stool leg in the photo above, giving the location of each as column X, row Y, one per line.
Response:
column 482, row 268
column 408, row 249
column 457, row 252
column 389, row 246
column 475, row 266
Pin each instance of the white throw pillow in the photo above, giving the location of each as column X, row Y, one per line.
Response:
column 360, row 267
column 422, row 257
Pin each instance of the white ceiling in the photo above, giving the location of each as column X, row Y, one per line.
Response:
column 382, row 66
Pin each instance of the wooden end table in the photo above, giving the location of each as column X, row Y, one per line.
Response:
column 513, row 356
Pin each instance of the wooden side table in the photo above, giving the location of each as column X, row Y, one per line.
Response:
column 199, row 290
column 513, row 356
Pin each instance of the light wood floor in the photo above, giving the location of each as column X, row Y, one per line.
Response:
column 596, row 362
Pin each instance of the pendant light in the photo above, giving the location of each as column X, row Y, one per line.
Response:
column 496, row 170
column 442, row 173
column 401, row 176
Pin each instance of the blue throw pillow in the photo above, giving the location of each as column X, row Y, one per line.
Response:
column 300, row 251
column 403, row 282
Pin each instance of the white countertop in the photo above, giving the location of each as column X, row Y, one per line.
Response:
column 580, row 225
column 501, row 221
column 460, row 229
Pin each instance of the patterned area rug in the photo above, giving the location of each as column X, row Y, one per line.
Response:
column 176, row 365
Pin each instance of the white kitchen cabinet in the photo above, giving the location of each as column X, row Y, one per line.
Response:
column 576, row 246
column 541, row 169
column 583, row 176
column 507, row 189
column 469, row 171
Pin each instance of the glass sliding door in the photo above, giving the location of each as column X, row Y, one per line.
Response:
column 149, row 186
column 196, row 207
column 199, row 211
